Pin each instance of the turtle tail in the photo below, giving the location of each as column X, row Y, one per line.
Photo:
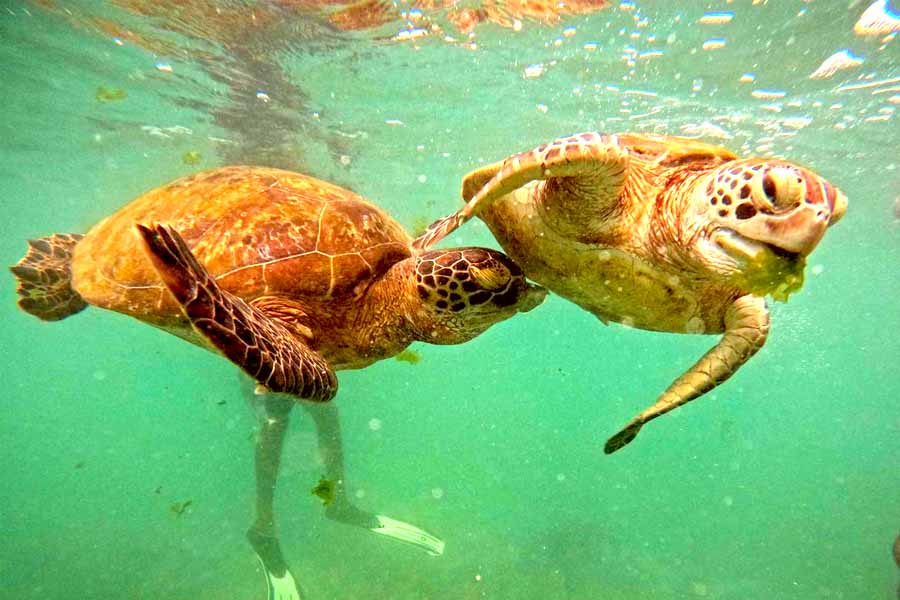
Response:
column 44, row 276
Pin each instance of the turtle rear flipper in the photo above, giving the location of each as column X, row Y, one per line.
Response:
column 44, row 277
column 258, row 343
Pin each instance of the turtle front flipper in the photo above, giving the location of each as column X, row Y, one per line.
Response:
column 746, row 329
column 255, row 341
column 585, row 173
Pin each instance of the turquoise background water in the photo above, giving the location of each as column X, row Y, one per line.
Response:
column 782, row 483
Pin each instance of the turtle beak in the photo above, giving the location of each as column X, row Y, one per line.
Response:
column 840, row 207
column 534, row 295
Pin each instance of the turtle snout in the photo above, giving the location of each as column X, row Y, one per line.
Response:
column 839, row 208
column 534, row 296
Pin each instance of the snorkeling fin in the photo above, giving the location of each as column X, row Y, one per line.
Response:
column 409, row 534
column 280, row 583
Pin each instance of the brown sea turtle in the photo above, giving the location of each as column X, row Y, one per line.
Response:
column 291, row 278
column 659, row 233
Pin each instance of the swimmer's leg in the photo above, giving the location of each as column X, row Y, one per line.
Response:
column 341, row 509
column 273, row 412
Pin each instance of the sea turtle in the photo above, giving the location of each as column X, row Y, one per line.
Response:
column 659, row 233
column 291, row 278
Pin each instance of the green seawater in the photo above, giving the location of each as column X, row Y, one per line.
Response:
column 782, row 483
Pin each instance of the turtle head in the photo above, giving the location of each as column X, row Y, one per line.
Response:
column 461, row 292
column 766, row 217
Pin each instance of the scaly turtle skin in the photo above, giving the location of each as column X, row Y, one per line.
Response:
column 289, row 277
column 659, row 233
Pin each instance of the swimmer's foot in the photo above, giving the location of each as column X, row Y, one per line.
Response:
column 346, row 513
column 280, row 583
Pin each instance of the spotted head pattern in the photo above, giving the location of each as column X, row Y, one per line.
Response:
column 776, row 203
column 767, row 216
column 456, row 279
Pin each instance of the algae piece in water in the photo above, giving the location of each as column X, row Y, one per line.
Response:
column 409, row 356
column 324, row 490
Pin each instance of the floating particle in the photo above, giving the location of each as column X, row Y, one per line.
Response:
column 375, row 424
column 99, row 375
column 192, row 157
column 569, row 31
column 118, row 41
column 405, row 35
column 796, row 122
column 626, row 5
column 394, row 122
column 542, row 108
column 706, row 129
column 870, row 84
column 766, row 94
column 650, row 54
column 105, row 94
column 533, row 71
column 178, row 508
column 262, row 96
column 345, row 160
column 817, row 269
column 747, row 78
column 716, row 18
column 164, row 67
column 838, row 61
column 590, row 46
column 422, row 178
column 714, row 43
column 878, row 19
column 437, row 493
column 517, row 25
column 697, row 85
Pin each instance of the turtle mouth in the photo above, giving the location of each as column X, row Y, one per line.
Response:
column 781, row 252
column 736, row 245
column 534, row 296
column 764, row 268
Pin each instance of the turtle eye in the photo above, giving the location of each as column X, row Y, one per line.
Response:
column 769, row 188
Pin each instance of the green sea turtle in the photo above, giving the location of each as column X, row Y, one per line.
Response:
column 659, row 233
column 291, row 278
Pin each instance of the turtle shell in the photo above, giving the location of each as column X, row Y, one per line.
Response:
column 258, row 231
column 672, row 151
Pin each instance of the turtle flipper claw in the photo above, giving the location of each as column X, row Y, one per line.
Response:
column 623, row 438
